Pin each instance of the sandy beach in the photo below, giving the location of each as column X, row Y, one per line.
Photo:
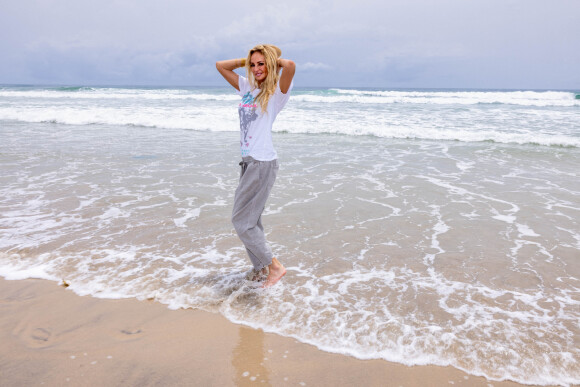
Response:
column 52, row 337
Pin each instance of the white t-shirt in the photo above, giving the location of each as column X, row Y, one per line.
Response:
column 255, row 125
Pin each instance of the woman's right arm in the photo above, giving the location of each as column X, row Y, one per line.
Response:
column 226, row 69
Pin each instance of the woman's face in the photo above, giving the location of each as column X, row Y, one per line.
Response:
column 258, row 67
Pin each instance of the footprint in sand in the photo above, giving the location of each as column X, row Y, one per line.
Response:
column 131, row 331
column 36, row 338
column 41, row 334
column 129, row 334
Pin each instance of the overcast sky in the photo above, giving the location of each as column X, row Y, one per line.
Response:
column 529, row 44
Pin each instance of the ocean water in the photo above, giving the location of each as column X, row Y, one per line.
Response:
column 420, row 227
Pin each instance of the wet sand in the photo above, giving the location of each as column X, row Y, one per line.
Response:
column 52, row 337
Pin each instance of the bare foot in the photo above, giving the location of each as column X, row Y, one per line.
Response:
column 277, row 271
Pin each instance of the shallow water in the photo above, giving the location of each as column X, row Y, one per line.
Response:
column 419, row 251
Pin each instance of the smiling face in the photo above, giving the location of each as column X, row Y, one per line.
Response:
column 258, row 67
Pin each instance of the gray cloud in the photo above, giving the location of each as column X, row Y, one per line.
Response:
column 412, row 43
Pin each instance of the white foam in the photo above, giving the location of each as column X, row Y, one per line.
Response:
column 189, row 214
column 17, row 272
column 505, row 218
column 113, row 213
column 413, row 114
column 523, row 98
column 525, row 230
column 119, row 94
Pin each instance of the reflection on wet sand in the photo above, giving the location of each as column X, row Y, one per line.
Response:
column 248, row 358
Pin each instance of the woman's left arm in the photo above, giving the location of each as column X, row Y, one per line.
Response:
column 287, row 75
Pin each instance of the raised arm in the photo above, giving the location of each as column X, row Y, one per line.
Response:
column 226, row 69
column 287, row 75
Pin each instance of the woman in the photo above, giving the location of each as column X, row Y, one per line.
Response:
column 264, row 93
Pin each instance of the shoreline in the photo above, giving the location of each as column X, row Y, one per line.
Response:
column 52, row 336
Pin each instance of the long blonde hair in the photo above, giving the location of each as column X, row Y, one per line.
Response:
column 268, row 87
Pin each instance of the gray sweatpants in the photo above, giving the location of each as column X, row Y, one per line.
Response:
column 256, row 181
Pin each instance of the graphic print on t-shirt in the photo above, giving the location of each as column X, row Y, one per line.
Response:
column 247, row 111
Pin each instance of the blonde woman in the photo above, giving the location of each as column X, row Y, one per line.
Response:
column 264, row 93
